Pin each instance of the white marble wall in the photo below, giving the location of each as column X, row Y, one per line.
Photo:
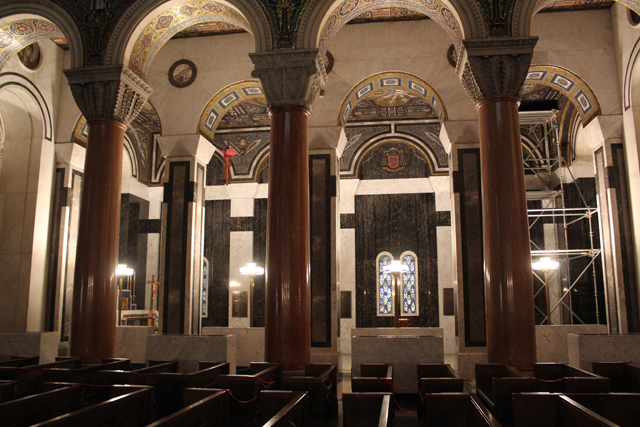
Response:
column 191, row 349
column 43, row 344
column 131, row 342
column 249, row 343
column 586, row 349
column 551, row 341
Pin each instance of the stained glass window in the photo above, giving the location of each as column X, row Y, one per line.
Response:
column 385, row 286
column 205, row 288
column 410, row 285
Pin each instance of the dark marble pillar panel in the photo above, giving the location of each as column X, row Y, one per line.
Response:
column 467, row 183
column 259, row 257
column 320, row 219
column 178, row 192
column 134, row 211
column 72, row 241
column 396, row 223
column 216, row 250
column 56, row 235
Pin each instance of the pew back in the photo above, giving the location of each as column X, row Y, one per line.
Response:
column 624, row 377
column 41, row 407
column 283, row 408
column 207, row 411
column 366, row 409
column 456, row 410
column 370, row 378
column 554, row 410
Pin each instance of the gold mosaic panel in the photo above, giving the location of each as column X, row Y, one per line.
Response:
column 16, row 35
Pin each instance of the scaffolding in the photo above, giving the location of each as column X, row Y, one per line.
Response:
column 544, row 160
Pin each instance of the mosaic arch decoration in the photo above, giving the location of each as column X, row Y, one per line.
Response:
column 16, row 35
column 628, row 75
column 567, row 83
column 223, row 101
column 396, row 81
column 582, row 4
column 172, row 22
column 350, row 9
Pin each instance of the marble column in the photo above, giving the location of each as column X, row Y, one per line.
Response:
column 290, row 81
column 181, row 245
column 492, row 71
column 109, row 97
column 604, row 136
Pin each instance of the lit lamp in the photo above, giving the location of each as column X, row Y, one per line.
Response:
column 121, row 271
column 546, row 265
column 252, row 271
column 396, row 268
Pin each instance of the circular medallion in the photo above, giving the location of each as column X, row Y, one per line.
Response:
column 182, row 73
column 634, row 17
column 30, row 56
column 328, row 62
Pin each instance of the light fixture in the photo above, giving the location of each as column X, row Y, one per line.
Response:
column 122, row 270
column 546, row 265
column 252, row 271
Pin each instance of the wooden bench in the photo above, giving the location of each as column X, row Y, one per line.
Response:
column 562, row 378
column 87, row 373
column 622, row 409
column 283, row 408
column 110, row 377
column 8, row 390
column 456, row 410
column 551, row 410
column 203, row 407
column 495, row 385
column 41, row 407
column 374, row 378
column 624, row 377
column 320, row 381
column 437, row 378
column 366, row 409
column 170, row 386
column 19, row 361
column 127, row 410
column 245, row 389
column 29, row 378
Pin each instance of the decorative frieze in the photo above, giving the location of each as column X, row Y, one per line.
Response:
column 290, row 77
column 495, row 67
column 108, row 92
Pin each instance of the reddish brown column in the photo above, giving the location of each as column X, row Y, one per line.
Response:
column 507, row 252
column 288, row 305
column 93, row 325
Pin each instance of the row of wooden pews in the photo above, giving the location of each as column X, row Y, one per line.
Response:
column 72, row 392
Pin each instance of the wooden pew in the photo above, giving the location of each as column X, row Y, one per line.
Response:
column 208, row 408
column 87, row 373
column 456, row 410
column 283, row 409
column 111, row 377
column 8, row 390
column 41, row 407
column 624, row 377
column 370, row 380
column 622, row 409
column 321, row 382
column 127, row 410
column 437, row 378
column 495, row 385
column 366, row 409
column 562, row 378
column 19, row 361
column 554, row 410
column 29, row 378
column 245, row 389
column 169, row 386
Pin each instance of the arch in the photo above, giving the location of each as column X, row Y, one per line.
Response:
column 384, row 287
column 19, row 34
column 325, row 26
column 131, row 25
column 174, row 20
column 10, row 79
column 58, row 16
column 391, row 80
column 628, row 76
column 223, row 101
column 577, row 91
column 410, row 285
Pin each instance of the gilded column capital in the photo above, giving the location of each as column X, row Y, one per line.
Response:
column 290, row 77
column 490, row 68
column 108, row 92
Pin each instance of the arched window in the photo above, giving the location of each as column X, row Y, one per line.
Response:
column 205, row 288
column 385, row 285
column 410, row 303
column 410, row 285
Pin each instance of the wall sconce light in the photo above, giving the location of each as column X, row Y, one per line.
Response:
column 546, row 265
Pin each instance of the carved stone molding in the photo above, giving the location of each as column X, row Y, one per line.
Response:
column 108, row 92
column 290, row 77
column 495, row 67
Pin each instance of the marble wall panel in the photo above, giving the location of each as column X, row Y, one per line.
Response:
column 551, row 340
column 240, row 247
column 191, row 349
column 59, row 208
column 43, row 344
column 586, row 349
column 216, row 250
column 249, row 343
column 134, row 241
column 131, row 342
column 445, row 280
column 260, row 258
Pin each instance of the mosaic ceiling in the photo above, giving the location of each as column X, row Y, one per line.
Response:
column 16, row 35
column 557, row 5
column 388, row 13
column 251, row 113
column 211, row 28
column 389, row 104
